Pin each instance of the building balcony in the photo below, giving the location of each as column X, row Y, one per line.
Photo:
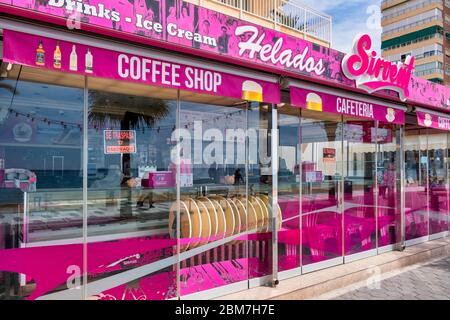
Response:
column 385, row 4
column 394, row 15
column 436, row 74
column 288, row 16
column 412, row 27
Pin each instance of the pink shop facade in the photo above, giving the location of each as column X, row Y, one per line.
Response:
column 158, row 150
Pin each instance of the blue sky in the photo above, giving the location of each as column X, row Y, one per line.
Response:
column 350, row 17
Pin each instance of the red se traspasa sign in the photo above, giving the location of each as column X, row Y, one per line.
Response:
column 119, row 141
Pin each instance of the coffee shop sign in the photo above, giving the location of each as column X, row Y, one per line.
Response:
column 373, row 73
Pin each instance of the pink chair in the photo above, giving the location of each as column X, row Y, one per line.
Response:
column 322, row 231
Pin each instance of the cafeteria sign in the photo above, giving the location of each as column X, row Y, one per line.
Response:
column 119, row 141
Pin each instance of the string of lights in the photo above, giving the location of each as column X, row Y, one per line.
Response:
column 48, row 121
column 66, row 124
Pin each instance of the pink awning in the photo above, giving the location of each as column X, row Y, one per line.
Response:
column 429, row 119
column 345, row 105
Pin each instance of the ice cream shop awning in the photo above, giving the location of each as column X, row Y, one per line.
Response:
column 132, row 64
column 433, row 119
column 307, row 96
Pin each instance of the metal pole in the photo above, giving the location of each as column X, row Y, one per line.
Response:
column 300, row 183
column 304, row 24
column 240, row 9
column 177, row 183
column 341, row 188
column 85, row 187
column 330, row 32
column 376, row 193
column 247, row 166
column 447, row 154
column 274, row 152
column 275, row 16
column 428, row 185
column 400, row 141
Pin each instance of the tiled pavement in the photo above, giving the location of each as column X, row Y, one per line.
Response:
column 429, row 281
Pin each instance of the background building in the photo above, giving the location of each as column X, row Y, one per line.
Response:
column 420, row 28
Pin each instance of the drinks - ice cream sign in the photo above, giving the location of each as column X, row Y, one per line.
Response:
column 373, row 73
column 139, row 20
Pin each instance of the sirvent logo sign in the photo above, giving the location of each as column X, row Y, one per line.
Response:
column 373, row 73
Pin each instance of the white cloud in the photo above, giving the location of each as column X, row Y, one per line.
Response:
column 345, row 32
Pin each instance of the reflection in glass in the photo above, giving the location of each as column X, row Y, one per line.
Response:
column 388, row 177
column 41, row 174
column 437, row 172
column 260, row 190
column 321, row 197
column 289, row 256
column 416, row 176
column 131, row 186
column 360, row 138
column 213, row 204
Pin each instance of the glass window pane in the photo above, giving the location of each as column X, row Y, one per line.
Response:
column 416, row 176
column 289, row 256
column 388, row 177
column 213, row 187
column 321, row 136
column 360, row 138
column 260, row 181
column 41, row 174
column 131, row 189
column 437, row 148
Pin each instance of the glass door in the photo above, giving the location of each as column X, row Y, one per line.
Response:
column 217, row 215
column 321, row 183
column 360, row 186
column 416, row 182
column 389, row 164
column 260, row 182
column 438, row 195
column 131, row 245
column 289, row 250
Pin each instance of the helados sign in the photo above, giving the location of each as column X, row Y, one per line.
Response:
column 373, row 73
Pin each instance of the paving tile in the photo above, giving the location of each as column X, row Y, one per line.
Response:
column 427, row 282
